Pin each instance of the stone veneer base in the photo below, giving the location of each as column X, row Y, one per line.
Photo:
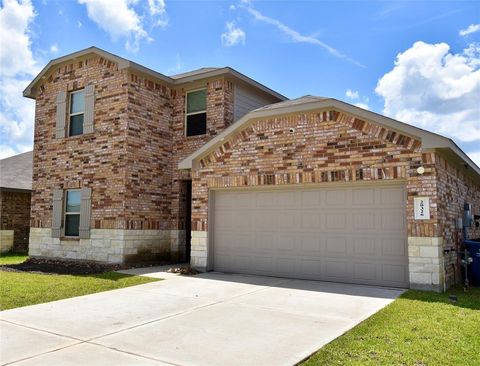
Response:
column 425, row 263
column 6, row 240
column 107, row 245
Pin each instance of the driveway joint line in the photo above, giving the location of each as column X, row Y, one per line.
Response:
column 43, row 330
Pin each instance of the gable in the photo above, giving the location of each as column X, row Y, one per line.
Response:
column 315, row 141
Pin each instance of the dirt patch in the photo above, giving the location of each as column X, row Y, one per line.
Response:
column 61, row 267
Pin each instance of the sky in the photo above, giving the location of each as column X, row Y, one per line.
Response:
column 415, row 61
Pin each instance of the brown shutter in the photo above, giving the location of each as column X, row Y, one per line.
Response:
column 89, row 108
column 85, row 213
column 61, row 114
column 57, row 213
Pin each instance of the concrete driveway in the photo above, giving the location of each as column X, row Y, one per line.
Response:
column 209, row 319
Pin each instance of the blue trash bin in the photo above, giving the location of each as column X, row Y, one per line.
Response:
column 473, row 247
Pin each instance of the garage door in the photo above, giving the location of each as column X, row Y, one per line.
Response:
column 354, row 234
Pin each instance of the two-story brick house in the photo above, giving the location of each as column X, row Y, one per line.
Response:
column 128, row 163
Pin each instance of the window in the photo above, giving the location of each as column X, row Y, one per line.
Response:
column 77, row 109
column 72, row 213
column 196, row 116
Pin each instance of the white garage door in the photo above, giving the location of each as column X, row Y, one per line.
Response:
column 354, row 234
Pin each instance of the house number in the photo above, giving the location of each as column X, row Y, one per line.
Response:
column 421, row 206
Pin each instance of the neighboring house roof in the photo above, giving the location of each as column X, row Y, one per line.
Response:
column 16, row 171
column 173, row 81
column 307, row 103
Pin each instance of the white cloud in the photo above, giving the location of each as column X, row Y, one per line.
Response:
column 79, row 24
column 157, row 7
column 16, row 55
column 472, row 28
column 17, row 67
column 352, row 94
column 6, row 151
column 232, row 35
column 361, row 101
column 122, row 20
column 294, row 35
column 54, row 48
column 435, row 89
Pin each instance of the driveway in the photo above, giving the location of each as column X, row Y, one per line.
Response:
column 208, row 319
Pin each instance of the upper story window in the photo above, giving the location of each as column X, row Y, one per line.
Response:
column 77, row 110
column 196, row 113
column 72, row 213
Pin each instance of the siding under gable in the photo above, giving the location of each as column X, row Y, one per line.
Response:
column 246, row 100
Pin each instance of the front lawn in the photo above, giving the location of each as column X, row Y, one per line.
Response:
column 418, row 329
column 24, row 288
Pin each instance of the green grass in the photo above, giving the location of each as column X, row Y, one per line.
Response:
column 22, row 288
column 12, row 258
column 418, row 329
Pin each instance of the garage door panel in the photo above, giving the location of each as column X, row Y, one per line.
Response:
column 394, row 273
column 336, row 221
column 363, row 197
column 393, row 247
column 337, row 269
column 346, row 234
column 392, row 196
column 365, row 271
column 265, row 200
column 336, row 246
column 310, row 244
column 364, row 220
column 336, row 198
column 310, row 220
column 364, row 246
column 311, row 198
column 310, row 268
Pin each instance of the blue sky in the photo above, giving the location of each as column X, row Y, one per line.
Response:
column 415, row 61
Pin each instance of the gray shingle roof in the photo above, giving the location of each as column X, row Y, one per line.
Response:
column 292, row 102
column 16, row 171
column 194, row 72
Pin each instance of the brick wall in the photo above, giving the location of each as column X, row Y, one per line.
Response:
column 96, row 160
column 454, row 188
column 219, row 116
column 15, row 215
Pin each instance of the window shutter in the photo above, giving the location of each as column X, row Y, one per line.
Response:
column 89, row 108
column 85, row 211
column 61, row 114
column 57, row 213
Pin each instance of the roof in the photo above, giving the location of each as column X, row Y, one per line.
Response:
column 16, row 171
column 200, row 71
column 307, row 103
column 172, row 81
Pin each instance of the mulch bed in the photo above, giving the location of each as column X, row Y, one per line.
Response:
column 66, row 267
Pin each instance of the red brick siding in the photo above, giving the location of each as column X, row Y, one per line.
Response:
column 219, row 116
column 96, row 160
column 15, row 215
column 454, row 189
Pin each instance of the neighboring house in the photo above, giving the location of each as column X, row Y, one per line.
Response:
column 15, row 196
column 129, row 162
